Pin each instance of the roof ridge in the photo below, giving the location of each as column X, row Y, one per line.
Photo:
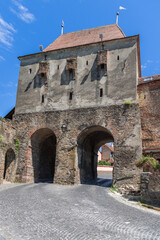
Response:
column 94, row 28
column 120, row 30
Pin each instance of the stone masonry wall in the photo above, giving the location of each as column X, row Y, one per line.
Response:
column 123, row 121
column 150, row 188
column 52, row 91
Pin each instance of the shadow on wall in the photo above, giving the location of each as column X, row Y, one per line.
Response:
column 37, row 82
column 83, row 75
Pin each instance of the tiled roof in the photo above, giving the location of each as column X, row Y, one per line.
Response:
column 149, row 79
column 110, row 147
column 87, row 36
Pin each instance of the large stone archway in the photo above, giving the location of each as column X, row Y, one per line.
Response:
column 43, row 143
column 89, row 141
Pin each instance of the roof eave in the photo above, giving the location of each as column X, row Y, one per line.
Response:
column 44, row 53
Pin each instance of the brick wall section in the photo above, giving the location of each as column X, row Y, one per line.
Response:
column 106, row 153
column 149, row 103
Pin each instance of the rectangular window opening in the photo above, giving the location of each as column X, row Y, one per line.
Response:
column 117, row 57
column 101, row 92
column 86, row 62
column 30, row 70
column 42, row 98
column 71, row 74
column 42, row 75
column 102, row 66
column 70, row 95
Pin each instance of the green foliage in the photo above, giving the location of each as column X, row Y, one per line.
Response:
column 148, row 163
column 1, row 138
column 114, row 189
column 104, row 163
column 17, row 144
column 128, row 102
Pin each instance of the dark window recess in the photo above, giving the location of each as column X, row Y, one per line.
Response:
column 30, row 70
column 43, row 70
column 42, row 75
column 102, row 63
column 42, row 98
column 71, row 74
column 58, row 67
column 86, row 62
column 102, row 66
column 117, row 57
column 101, row 92
column 71, row 66
column 45, row 57
column 70, row 95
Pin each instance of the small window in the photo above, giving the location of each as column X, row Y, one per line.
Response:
column 42, row 98
column 58, row 67
column 70, row 95
column 102, row 66
column 71, row 74
column 30, row 70
column 101, row 92
column 45, row 57
column 86, row 62
column 117, row 57
column 42, row 75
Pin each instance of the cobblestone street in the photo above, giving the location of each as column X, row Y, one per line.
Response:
column 84, row 212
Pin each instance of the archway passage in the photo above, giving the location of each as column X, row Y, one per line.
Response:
column 9, row 166
column 43, row 155
column 89, row 142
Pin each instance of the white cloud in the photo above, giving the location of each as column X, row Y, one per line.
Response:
column 22, row 12
column 9, row 84
column 2, row 59
column 149, row 61
column 6, row 32
column 143, row 66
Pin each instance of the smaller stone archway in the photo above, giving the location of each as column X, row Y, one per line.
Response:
column 89, row 141
column 43, row 143
column 9, row 165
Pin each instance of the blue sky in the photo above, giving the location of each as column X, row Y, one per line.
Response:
column 26, row 24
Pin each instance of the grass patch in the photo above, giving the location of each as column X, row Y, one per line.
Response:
column 1, row 138
column 128, row 102
column 104, row 163
column 148, row 163
column 114, row 189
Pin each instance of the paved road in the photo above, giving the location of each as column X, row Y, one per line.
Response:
column 85, row 212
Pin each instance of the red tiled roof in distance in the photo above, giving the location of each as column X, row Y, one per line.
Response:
column 149, row 79
column 87, row 36
column 111, row 148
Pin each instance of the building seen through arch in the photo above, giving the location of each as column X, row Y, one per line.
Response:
column 89, row 142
